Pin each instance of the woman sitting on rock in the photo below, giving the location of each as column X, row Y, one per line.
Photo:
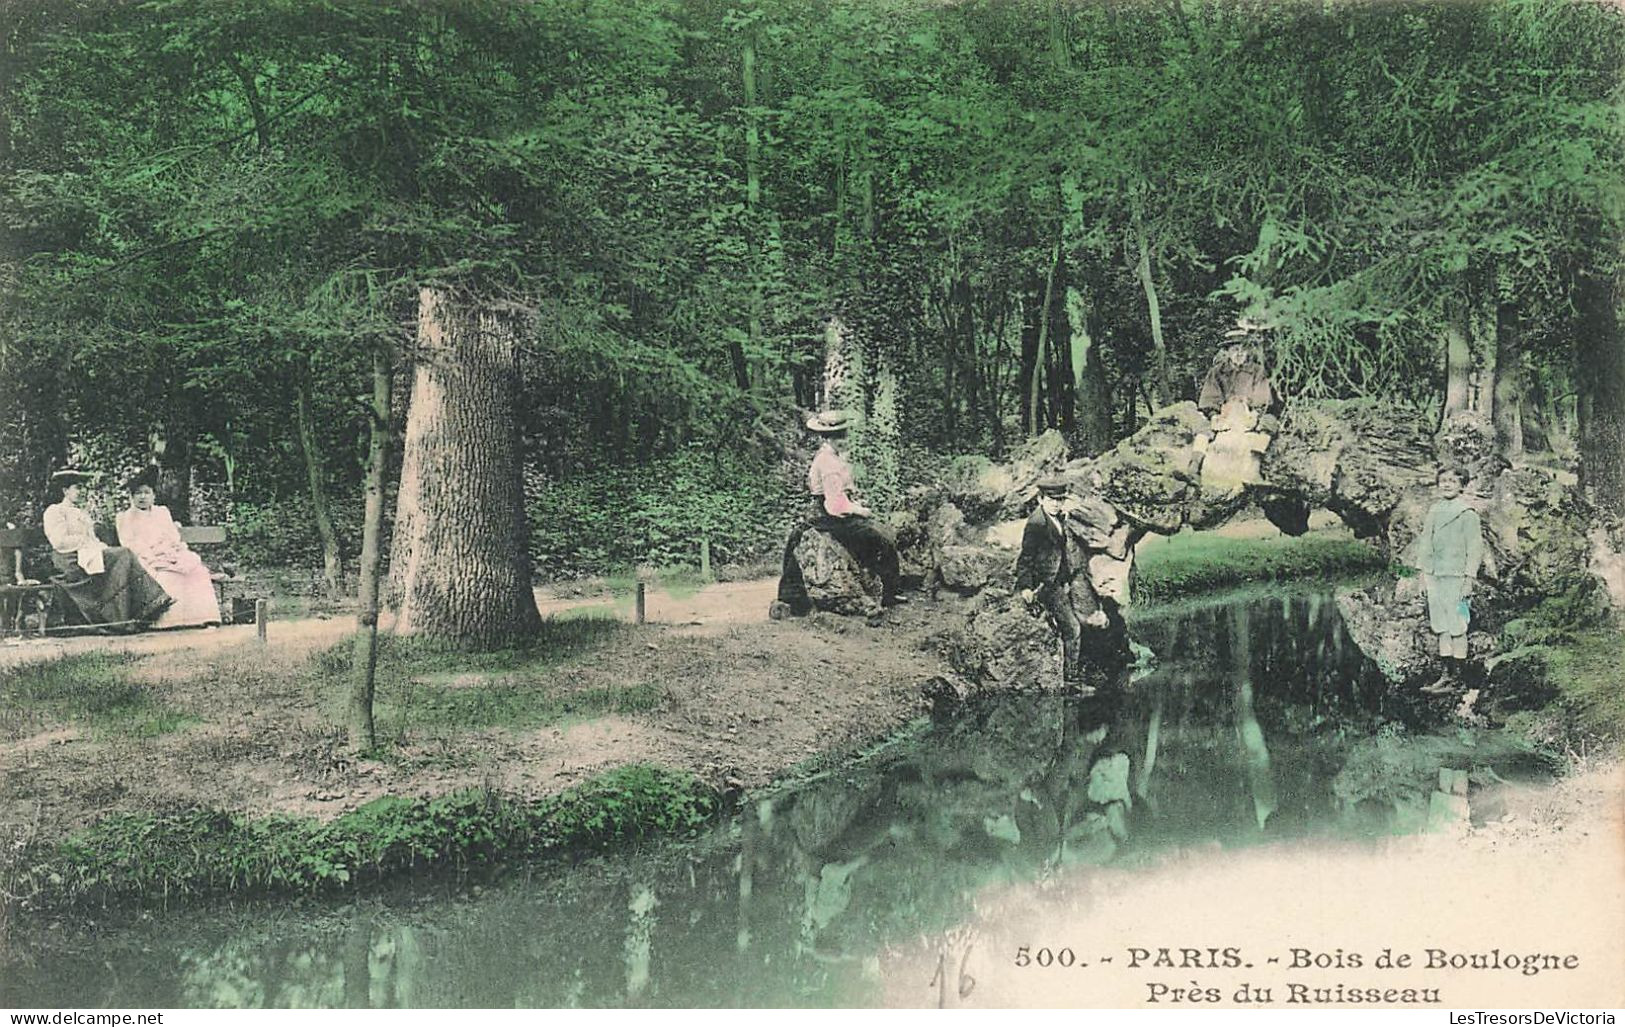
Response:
column 103, row 586
column 844, row 518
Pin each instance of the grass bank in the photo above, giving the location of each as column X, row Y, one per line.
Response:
column 93, row 691
column 433, row 689
column 1196, row 562
column 1570, row 652
column 151, row 859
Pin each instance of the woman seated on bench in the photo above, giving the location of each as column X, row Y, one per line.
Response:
column 150, row 533
column 103, row 585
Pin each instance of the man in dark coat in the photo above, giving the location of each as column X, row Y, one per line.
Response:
column 1053, row 570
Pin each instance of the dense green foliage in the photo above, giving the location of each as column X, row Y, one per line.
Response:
column 149, row 859
column 1571, row 649
column 1026, row 213
column 611, row 517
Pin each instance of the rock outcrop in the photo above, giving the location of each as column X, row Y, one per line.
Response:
column 1373, row 464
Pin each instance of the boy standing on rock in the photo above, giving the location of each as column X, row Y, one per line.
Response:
column 1053, row 570
column 1449, row 552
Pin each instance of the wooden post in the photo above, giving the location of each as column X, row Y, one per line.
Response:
column 261, row 608
column 705, row 559
column 642, row 607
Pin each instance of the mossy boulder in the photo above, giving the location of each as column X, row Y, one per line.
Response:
column 984, row 490
column 834, row 579
column 969, row 569
column 1357, row 458
column 1151, row 476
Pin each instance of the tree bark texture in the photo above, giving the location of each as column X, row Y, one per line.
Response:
column 361, row 729
column 1093, row 434
column 460, row 565
column 1600, row 374
column 1458, row 365
column 172, row 453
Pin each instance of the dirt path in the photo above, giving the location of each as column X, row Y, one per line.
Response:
column 740, row 698
column 708, row 610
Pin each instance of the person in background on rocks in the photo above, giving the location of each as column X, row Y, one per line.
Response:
column 150, row 533
column 835, row 509
column 1448, row 553
column 1053, row 570
column 1237, row 373
column 102, row 584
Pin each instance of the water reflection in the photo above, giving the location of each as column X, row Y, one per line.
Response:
column 1260, row 721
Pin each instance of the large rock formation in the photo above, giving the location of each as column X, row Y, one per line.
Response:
column 1373, row 464
column 1356, row 458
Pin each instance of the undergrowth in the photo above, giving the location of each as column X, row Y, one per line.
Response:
column 1573, row 646
column 148, row 859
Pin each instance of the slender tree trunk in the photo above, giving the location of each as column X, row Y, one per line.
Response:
column 362, row 734
column 1600, row 374
column 172, row 456
column 1538, row 425
column 1161, row 376
column 460, row 563
column 1482, row 320
column 753, row 202
column 1093, row 431
column 1509, row 382
column 1046, row 322
column 310, row 448
column 1458, row 364
column 1032, row 353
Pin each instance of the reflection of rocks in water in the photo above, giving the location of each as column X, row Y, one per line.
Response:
column 1392, row 777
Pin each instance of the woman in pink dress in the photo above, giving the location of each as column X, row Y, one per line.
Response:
column 150, row 533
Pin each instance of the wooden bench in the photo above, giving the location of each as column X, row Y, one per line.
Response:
column 22, row 597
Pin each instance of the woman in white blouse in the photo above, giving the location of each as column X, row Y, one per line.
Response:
column 150, row 533
column 105, row 586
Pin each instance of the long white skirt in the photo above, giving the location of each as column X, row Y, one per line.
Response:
column 193, row 592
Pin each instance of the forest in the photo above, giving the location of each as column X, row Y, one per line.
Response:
column 220, row 218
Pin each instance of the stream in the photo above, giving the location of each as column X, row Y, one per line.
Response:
column 1261, row 722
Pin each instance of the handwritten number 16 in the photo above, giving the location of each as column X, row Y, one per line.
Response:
column 967, row 983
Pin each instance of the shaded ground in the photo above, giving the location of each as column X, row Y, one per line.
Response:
column 734, row 697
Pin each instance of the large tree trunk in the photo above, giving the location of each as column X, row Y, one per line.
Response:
column 1600, row 373
column 460, row 565
column 332, row 565
column 362, row 734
